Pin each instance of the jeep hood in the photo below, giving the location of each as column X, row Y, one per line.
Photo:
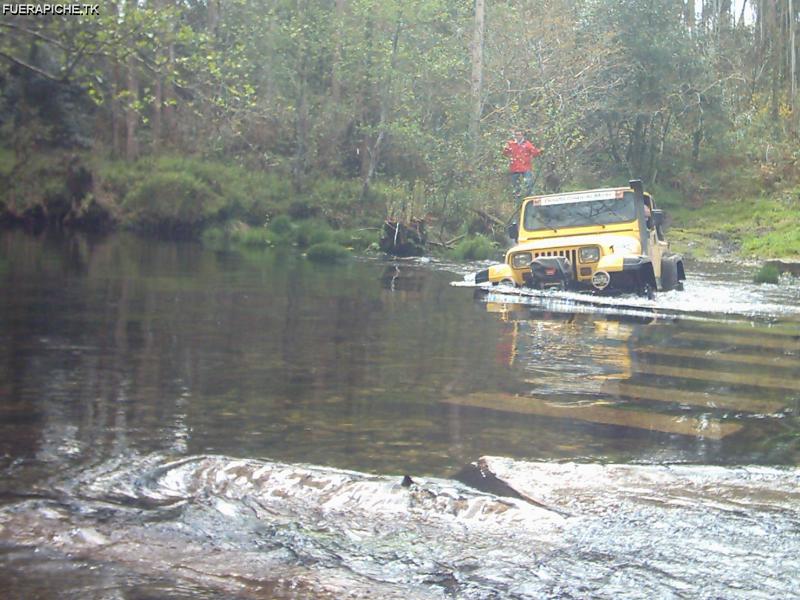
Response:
column 605, row 240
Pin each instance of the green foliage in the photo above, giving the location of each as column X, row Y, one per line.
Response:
column 327, row 252
column 171, row 202
column 258, row 237
column 283, row 232
column 476, row 247
column 216, row 237
column 281, row 103
column 39, row 186
column 7, row 161
column 356, row 239
column 309, row 232
column 767, row 274
column 247, row 194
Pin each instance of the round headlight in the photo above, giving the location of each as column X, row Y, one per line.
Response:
column 590, row 254
column 601, row 279
column 521, row 260
column 626, row 245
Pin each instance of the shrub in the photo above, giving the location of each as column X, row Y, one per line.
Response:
column 310, row 232
column 281, row 225
column 215, row 237
column 358, row 239
column 171, row 202
column 477, row 247
column 248, row 195
column 119, row 177
column 7, row 160
column 767, row 274
column 258, row 236
column 327, row 252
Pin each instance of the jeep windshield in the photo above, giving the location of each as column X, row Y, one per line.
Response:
column 577, row 210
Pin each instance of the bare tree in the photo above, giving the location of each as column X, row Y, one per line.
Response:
column 477, row 75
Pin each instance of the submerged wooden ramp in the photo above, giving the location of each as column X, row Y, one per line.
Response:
column 710, row 428
column 748, row 404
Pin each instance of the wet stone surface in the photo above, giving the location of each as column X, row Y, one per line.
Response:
column 248, row 528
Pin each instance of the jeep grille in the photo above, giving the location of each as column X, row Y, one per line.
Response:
column 569, row 253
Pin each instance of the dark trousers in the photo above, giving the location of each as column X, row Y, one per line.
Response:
column 523, row 184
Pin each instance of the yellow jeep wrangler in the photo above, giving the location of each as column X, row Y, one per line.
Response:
column 605, row 240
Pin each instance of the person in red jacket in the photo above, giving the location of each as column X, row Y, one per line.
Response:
column 521, row 152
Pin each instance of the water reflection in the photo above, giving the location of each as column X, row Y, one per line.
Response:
column 116, row 344
column 117, row 348
column 643, row 373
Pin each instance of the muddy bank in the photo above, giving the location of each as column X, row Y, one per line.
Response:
column 247, row 527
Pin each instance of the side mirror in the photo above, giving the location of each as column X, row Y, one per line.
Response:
column 658, row 217
column 513, row 231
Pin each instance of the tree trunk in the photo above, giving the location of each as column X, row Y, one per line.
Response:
column 301, row 132
column 169, row 94
column 740, row 22
column 477, row 76
column 158, row 97
column 117, row 120
column 375, row 151
column 336, row 64
column 772, row 33
column 212, row 16
column 131, row 114
column 724, row 14
column 792, row 63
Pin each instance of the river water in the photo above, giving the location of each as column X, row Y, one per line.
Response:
column 178, row 422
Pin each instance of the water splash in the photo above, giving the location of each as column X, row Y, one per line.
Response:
column 567, row 530
column 715, row 294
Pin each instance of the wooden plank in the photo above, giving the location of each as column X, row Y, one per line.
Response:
column 785, row 330
column 672, row 395
column 713, row 429
column 755, row 340
column 788, row 362
column 713, row 376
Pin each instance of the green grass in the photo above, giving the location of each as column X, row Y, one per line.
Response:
column 758, row 227
column 283, row 232
column 327, row 252
column 357, row 239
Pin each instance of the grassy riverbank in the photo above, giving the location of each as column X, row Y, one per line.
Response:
column 225, row 204
column 228, row 204
column 766, row 226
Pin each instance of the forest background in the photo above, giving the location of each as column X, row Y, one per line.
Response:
column 221, row 116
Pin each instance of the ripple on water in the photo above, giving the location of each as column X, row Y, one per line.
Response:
column 707, row 295
column 563, row 529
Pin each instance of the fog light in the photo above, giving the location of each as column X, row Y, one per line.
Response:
column 601, row 279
